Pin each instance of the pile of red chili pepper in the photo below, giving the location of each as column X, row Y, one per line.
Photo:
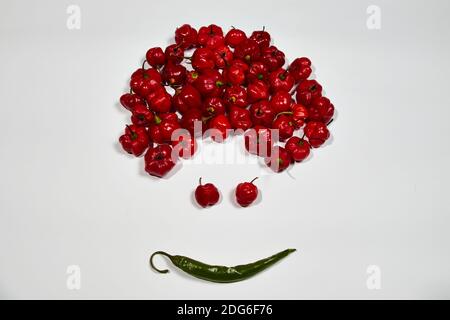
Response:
column 224, row 81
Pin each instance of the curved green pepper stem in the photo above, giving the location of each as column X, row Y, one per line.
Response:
column 161, row 253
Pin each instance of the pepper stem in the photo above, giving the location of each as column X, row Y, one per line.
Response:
column 253, row 180
column 151, row 261
column 200, row 181
column 329, row 122
column 284, row 112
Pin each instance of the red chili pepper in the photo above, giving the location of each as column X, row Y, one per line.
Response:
column 234, row 75
column 210, row 84
column 257, row 71
column 246, row 193
column 321, row 109
column 143, row 81
column 236, row 96
column 298, row 148
column 155, row 57
column 257, row 90
column 235, row 37
column 142, row 117
column 135, row 140
column 189, row 119
column 262, row 38
column 279, row 160
column 221, row 124
column 174, row 74
column 273, row 58
column 174, row 53
column 222, row 57
column 258, row 140
column 203, row 59
column 186, row 98
column 248, row 51
column 317, row 133
column 163, row 127
column 158, row 160
column 285, row 126
column 281, row 80
column 130, row 100
column 262, row 113
column 191, row 77
column 159, row 100
column 300, row 69
column 281, row 101
column 240, row 118
column 186, row 36
column 307, row 91
column 213, row 106
column 211, row 36
column 299, row 115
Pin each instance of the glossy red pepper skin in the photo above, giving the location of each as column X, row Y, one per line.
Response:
column 213, row 106
column 258, row 141
column 143, row 81
column 236, row 96
column 298, row 148
column 257, row 71
column 248, row 51
column 211, row 36
column 285, row 126
column 246, row 193
column 186, row 146
column 210, row 84
column 273, row 58
column 299, row 115
column 192, row 76
column 206, row 195
column 155, row 57
column 187, row 98
column 262, row 38
column 160, row 101
column 174, row 74
column 188, row 121
column 262, row 113
column 321, row 109
column 257, row 90
column 135, row 140
column 281, row 80
column 281, row 101
column 307, row 91
column 130, row 100
column 163, row 127
column 158, row 160
column 279, row 160
column 186, row 36
column 234, row 37
column 142, row 116
column 223, row 57
column 300, row 69
column 203, row 59
column 174, row 53
column 222, row 125
column 240, row 118
column 234, row 75
column 317, row 133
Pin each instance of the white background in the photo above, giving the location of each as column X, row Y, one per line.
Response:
column 378, row 194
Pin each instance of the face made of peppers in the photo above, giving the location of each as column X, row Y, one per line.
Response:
column 220, row 274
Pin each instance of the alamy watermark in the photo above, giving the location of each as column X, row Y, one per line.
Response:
column 73, row 21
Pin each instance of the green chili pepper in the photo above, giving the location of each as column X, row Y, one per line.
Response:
column 221, row 274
